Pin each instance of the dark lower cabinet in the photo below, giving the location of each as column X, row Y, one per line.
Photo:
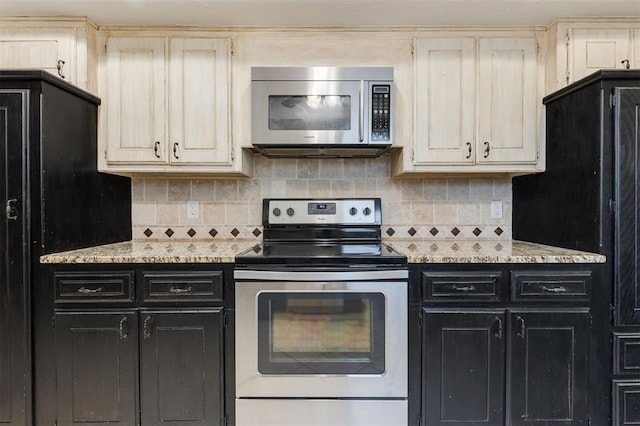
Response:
column 517, row 355
column 463, row 367
column 97, row 368
column 548, row 369
column 626, row 402
column 469, row 355
column 181, row 366
column 129, row 356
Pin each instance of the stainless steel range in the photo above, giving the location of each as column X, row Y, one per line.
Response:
column 321, row 319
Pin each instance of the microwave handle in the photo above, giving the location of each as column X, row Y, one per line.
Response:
column 361, row 110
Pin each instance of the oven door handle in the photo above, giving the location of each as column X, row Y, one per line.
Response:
column 283, row 275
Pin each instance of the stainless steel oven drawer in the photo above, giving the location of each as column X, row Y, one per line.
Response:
column 321, row 412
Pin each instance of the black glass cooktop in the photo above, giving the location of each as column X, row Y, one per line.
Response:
column 320, row 253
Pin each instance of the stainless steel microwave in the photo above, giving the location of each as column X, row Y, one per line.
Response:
column 322, row 111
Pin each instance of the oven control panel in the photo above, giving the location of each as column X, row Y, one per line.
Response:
column 343, row 211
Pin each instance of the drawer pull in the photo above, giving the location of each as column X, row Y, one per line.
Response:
column 559, row 289
column 464, row 287
column 176, row 290
column 85, row 290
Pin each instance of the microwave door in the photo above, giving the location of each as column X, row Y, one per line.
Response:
column 308, row 112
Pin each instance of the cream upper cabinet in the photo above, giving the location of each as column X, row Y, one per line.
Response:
column 135, row 99
column 507, row 101
column 475, row 105
column 445, row 101
column 64, row 48
column 595, row 49
column 167, row 105
column 577, row 48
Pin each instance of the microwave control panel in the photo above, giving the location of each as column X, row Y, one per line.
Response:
column 381, row 112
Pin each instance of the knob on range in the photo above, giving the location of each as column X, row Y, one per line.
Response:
column 290, row 211
column 353, row 211
column 366, row 211
column 277, row 212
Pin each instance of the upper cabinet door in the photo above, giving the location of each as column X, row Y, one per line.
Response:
column 595, row 49
column 199, row 101
column 39, row 48
column 135, row 100
column 444, row 101
column 507, row 100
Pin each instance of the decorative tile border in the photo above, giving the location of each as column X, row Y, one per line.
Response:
column 227, row 233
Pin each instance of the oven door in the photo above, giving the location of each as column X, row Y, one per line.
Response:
column 307, row 112
column 324, row 338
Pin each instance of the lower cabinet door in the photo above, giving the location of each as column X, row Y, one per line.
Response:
column 548, row 368
column 97, row 368
column 181, row 367
column 463, row 368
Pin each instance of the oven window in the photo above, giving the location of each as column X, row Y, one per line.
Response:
column 321, row 333
column 309, row 112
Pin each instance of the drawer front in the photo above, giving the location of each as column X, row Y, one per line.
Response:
column 461, row 286
column 626, row 402
column 626, row 353
column 182, row 286
column 551, row 286
column 94, row 287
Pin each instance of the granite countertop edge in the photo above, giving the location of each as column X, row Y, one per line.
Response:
column 417, row 251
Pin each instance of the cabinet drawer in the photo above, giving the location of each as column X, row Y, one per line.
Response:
column 94, row 287
column 551, row 286
column 182, row 286
column 626, row 402
column 461, row 286
column 626, row 353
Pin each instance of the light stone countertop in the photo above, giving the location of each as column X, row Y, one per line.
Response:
column 155, row 252
column 487, row 251
column 417, row 251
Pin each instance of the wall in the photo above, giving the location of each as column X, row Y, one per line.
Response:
column 231, row 208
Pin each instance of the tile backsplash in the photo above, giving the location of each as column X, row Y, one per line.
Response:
column 232, row 208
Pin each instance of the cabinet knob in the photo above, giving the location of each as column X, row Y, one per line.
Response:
column 487, row 149
column 175, row 151
column 468, row 150
column 156, row 149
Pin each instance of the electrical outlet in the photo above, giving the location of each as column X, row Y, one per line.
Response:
column 192, row 209
column 496, row 210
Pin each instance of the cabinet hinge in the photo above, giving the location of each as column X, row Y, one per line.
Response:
column 590, row 321
column 233, row 154
column 53, row 322
column 567, row 39
column 413, row 155
column 225, row 320
column 413, row 47
column 420, row 316
column 231, row 51
column 612, row 100
column 612, row 206
column 612, row 313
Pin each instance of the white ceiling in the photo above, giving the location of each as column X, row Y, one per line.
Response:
column 361, row 13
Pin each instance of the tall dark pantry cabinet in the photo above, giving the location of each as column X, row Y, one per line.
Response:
column 589, row 199
column 53, row 199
